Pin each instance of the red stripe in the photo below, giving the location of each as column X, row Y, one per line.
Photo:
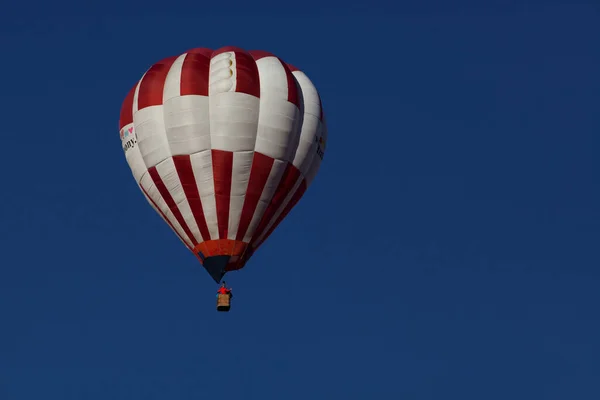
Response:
column 126, row 116
column 228, row 49
column 201, row 50
column 292, row 68
column 292, row 85
column 246, row 71
column 153, row 83
column 289, row 179
column 261, row 168
column 162, row 189
column 165, row 218
column 293, row 201
column 222, row 162
column 183, row 165
column 194, row 72
column 258, row 54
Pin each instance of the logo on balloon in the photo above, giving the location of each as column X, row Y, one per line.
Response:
column 320, row 146
column 128, row 138
column 125, row 133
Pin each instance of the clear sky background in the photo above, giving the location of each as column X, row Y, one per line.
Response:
column 448, row 249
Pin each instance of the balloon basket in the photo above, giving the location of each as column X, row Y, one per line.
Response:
column 223, row 302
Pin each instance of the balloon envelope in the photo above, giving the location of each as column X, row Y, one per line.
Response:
column 223, row 144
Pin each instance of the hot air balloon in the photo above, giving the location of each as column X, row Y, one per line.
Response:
column 223, row 144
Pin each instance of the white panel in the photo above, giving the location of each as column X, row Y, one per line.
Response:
column 233, row 116
column 312, row 104
column 277, row 129
column 150, row 188
column 203, row 172
column 240, row 175
column 265, row 198
column 273, row 79
column 279, row 121
column 311, row 127
column 307, row 146
column 151, row 135
column 173, row 81
column 233, row 121
column 187, row 124
column 166, row 170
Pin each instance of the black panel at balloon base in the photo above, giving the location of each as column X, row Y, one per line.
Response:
column 215, row 266
column 223, row 302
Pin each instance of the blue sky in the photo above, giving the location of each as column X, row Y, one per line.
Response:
column 448, row 249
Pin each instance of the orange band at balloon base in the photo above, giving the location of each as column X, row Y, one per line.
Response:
column 235, row 249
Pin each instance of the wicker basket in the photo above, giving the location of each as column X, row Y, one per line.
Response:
column 223, row 302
